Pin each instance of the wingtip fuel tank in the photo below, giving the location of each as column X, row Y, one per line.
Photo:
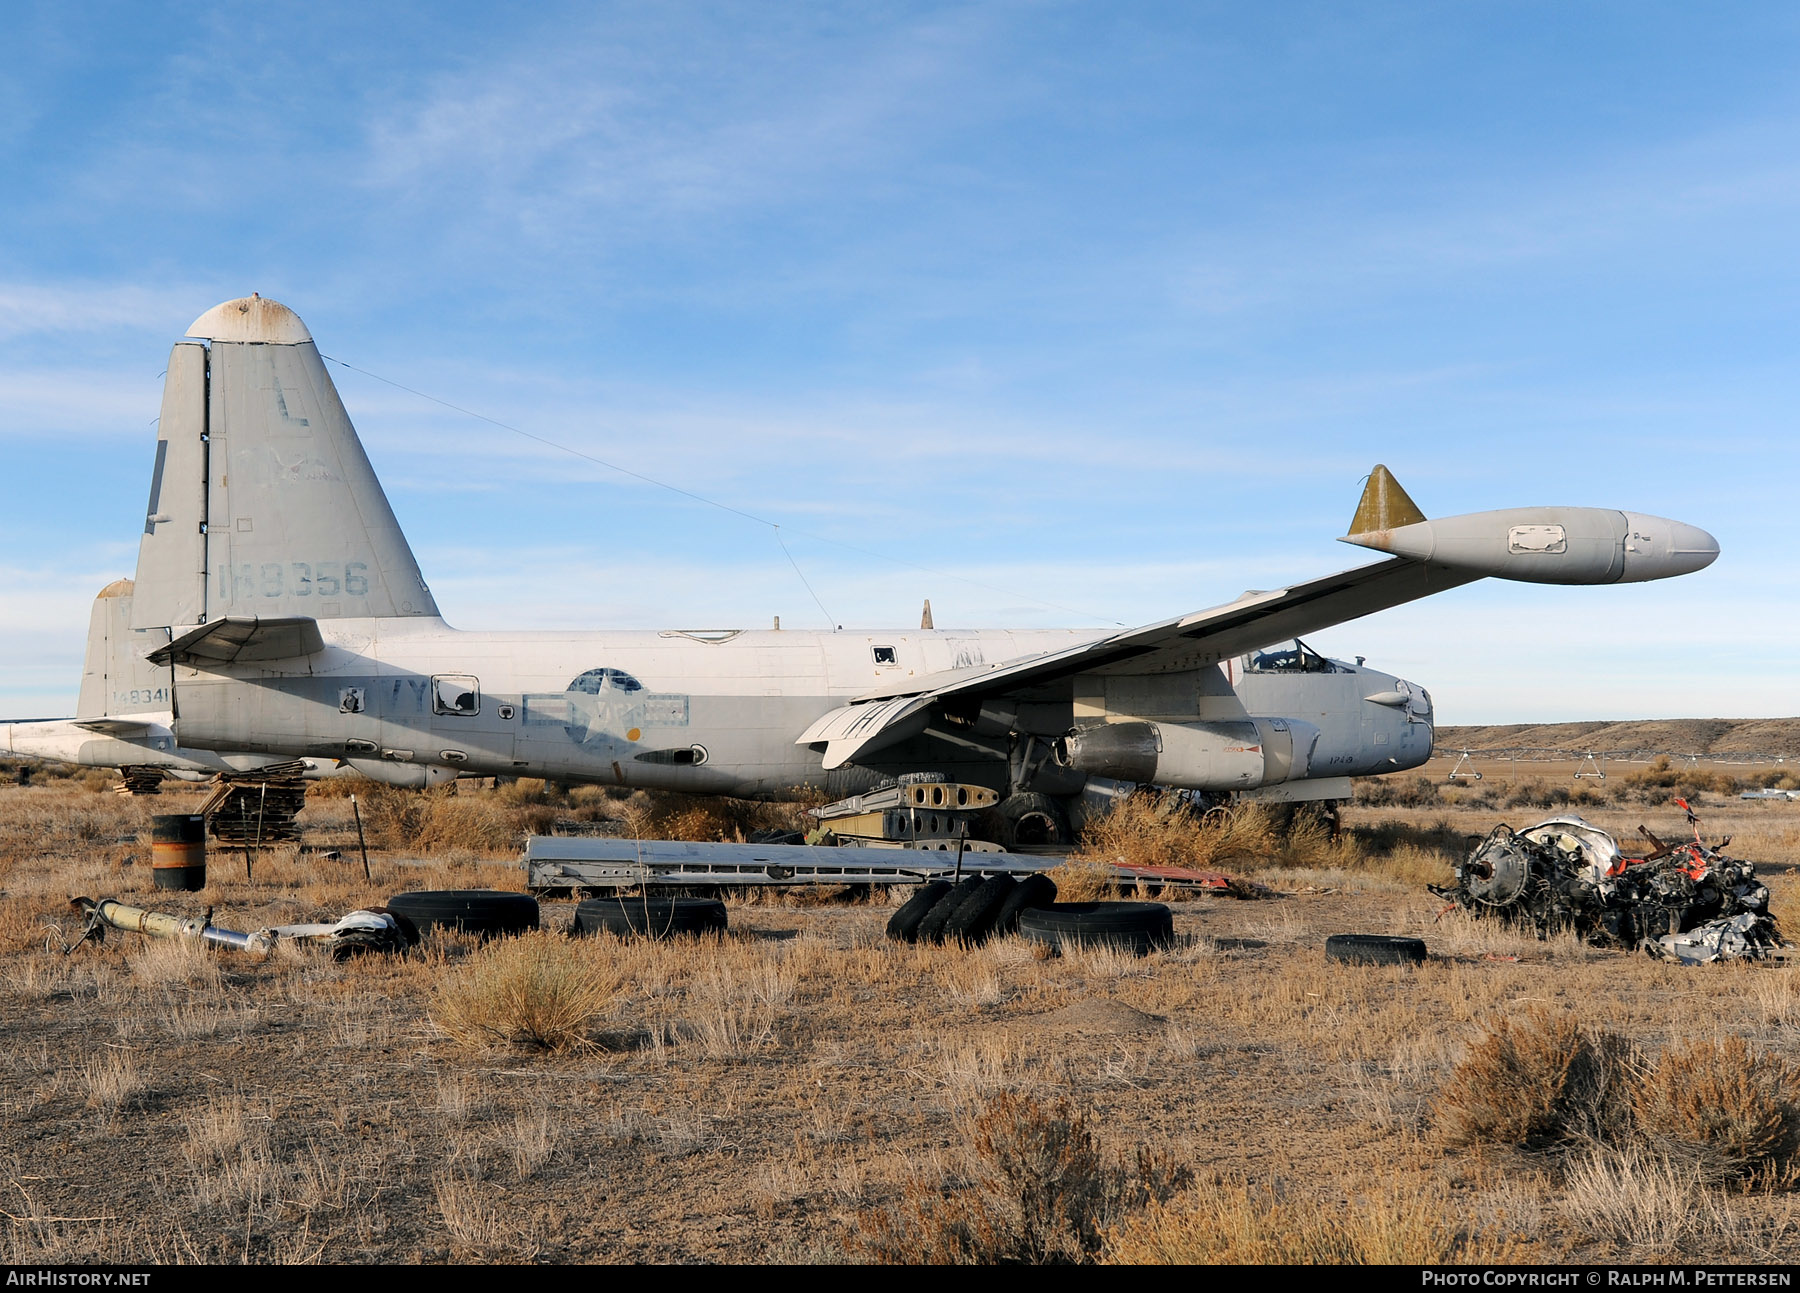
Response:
column 1539, row 545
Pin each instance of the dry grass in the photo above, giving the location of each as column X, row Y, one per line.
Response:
column 751, row 1097
column 112, row 1080
column 1237, row 1224
column 1147, row 830
column 479, row 1224
column 734, row 1008
column 428, row 821
column 1639, row 1201
column 539, row 990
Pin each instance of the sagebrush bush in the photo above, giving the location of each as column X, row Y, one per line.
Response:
column 1716, row 1110
column 1537, row 794
column 540, row 990
column 1043, row 1192
column 1397, row 791
column 1724, row 1109
column 1537, row 1082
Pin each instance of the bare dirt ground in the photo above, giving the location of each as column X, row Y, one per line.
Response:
column 762, row 1097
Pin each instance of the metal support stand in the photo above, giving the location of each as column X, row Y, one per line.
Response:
column 357, row 812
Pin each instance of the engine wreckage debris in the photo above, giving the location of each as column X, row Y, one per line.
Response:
column 360, row 931
column 1684, row 902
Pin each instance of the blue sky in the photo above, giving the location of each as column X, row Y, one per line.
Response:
column 1053, row 313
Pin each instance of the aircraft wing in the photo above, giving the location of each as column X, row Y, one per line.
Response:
column 881, row 718
column 1550, row 545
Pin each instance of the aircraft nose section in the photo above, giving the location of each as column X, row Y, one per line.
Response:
column 1657, row 548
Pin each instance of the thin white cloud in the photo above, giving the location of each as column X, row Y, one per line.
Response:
column 85, row 401
column 663, row 118
column 84, row 306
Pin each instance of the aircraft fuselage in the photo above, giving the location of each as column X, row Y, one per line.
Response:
column 699, row 711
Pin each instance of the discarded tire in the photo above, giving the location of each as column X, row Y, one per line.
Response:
column 973, row 920
column 471, row 911
column 1137, row 927
column 931, row 929
column 1032, row 891
column 1374, row 949
column 650, row 917
column 903, row 925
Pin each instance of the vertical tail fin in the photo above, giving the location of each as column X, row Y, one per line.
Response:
column 263, row 502
column 115, row 677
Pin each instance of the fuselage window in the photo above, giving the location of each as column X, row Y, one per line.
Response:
column 455, row 693
column 885, row 657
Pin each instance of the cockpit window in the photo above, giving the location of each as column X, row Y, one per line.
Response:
column 1296, row 657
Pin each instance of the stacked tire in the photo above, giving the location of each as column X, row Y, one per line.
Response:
column 969, row 913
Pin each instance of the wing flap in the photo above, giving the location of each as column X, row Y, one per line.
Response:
column 857, row 729
column 242, row 639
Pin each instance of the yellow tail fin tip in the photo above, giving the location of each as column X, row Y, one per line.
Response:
column 1384, row 505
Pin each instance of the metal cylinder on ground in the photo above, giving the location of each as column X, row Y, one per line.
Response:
column 178, row 850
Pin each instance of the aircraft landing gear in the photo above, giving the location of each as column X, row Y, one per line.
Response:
column 1030, row 820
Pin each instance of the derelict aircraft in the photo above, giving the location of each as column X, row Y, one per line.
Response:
column 276, row 589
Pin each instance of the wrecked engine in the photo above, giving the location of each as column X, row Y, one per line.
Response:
column 1685, row 902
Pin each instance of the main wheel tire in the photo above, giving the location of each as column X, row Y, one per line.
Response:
column 649, row 917
column 1374, row 949
column 1032, row 891
column 972, row 921
column 471, row 911
column 1029, row 819
column 931, row 929
column 1137, row 927
column 903, row 925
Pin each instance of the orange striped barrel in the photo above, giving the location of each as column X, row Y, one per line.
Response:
column 178, row 851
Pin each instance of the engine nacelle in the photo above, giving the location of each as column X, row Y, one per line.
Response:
column 407, row 776
column 1239, row 755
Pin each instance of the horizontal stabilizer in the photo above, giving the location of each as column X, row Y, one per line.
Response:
column 125, row 729
column 241, row 639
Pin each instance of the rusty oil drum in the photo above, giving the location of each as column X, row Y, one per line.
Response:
column 178, row 851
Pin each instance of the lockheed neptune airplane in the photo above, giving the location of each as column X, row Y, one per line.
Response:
column 280, row 599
